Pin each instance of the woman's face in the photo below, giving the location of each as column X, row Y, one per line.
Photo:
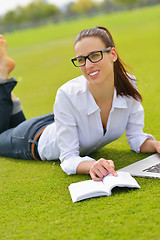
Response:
column 99, row 72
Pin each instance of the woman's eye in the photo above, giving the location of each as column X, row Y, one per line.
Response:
column 95, row 56
column 80, row 60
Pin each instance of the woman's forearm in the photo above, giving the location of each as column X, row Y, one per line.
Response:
column 84, row 167
column 150, row 146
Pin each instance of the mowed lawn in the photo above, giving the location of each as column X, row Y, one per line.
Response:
column 35, row 201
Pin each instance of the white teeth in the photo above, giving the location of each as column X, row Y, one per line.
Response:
column 94, row 73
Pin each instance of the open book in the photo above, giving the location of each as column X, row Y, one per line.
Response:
column 88, row 189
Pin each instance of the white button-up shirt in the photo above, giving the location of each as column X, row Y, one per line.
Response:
column 78, row 130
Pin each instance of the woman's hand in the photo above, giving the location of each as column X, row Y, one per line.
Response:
column 102, row 168
column 157, row 146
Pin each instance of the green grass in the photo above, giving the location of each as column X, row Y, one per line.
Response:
column 35, row 201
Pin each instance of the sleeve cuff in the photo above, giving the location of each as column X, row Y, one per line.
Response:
column 138, row 144
column 70, row 165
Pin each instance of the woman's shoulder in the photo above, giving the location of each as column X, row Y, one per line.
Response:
column 132, row 79
column 74, row 86
column 73, row 93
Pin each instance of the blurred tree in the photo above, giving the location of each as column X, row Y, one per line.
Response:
column 114, row 5
column 127, row 2
column 82, row 6
column 108, row 6
column 35, row 11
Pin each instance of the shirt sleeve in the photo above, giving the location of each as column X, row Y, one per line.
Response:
column 134, row 131
column 67, row 134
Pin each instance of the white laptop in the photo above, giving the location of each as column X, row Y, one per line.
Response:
column 148, row 167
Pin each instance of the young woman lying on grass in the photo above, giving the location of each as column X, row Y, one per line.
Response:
column 90, row 111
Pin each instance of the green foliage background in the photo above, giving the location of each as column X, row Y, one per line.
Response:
column 35, row 201
column 33, row 12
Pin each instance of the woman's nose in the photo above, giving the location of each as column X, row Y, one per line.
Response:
column 88, row 63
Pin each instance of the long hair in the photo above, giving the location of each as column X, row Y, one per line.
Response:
column 123, row 82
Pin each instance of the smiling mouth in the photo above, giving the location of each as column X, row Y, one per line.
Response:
column 93, row 74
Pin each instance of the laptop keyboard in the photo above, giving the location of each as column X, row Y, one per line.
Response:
column 154, row 169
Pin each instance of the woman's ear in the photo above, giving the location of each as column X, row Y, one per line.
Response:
column 114, row 54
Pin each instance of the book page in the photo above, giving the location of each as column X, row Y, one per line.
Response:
column 86, row 189
column 124, row 179
column 90, row 188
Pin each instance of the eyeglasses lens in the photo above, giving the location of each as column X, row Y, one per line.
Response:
column 95, row 57
column 80, row 61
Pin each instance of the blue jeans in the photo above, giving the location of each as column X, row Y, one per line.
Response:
column 16, row 142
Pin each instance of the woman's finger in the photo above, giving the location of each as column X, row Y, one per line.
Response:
column 96, row 175
column 110, row 167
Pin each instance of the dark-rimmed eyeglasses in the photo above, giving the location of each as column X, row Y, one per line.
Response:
column 92, row 57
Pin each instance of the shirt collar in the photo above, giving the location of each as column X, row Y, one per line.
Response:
column 83, row 99
column 119, row 101
column 91, row 103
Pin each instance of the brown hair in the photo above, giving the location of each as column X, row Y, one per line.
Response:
column 123, row 82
